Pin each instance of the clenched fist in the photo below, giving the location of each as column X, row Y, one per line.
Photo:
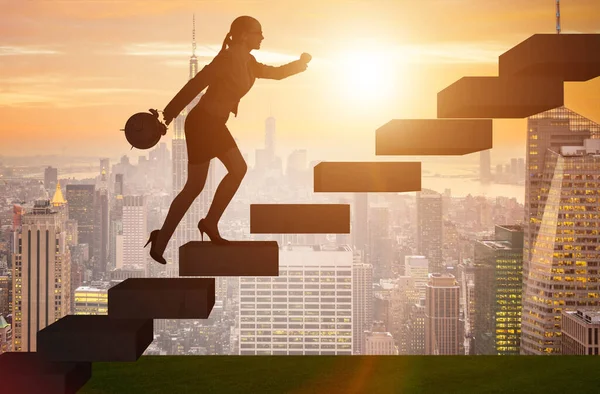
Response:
column 305, row 57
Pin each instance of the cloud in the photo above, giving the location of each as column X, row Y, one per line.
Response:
column 440, row 53
column 26, row 50
column 451, row 52
column 166, row 49
column 58, row 91
column 204, row 52
column 114, row 90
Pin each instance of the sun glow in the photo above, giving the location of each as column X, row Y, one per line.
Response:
column 366, row 76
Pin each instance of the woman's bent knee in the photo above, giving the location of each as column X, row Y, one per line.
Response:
column 243, row 169
column 240, row 171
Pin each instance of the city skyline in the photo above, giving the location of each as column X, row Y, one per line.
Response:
column 491, row 253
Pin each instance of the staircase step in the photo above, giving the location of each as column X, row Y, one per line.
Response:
column 300, row 218
column 162, row 298
column 83, row 338
column 30, row 373
column 499, row 97
column 367, row 177
column 566, row 57
column 238, row 258
column 433, row 137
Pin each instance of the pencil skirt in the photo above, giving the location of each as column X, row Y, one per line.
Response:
column 206, row 136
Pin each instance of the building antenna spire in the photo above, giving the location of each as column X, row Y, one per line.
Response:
column 557, row 16
column 194, row 35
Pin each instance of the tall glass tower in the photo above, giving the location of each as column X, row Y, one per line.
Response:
column 562, row 227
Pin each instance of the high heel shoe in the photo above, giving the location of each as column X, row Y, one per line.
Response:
column 153, row 252
column 212, row 232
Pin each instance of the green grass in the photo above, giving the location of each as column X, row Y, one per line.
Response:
column 347, row 374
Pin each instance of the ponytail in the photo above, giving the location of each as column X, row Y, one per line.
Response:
column 240, row 25
column 226, row 42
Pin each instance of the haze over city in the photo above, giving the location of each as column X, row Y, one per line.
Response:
column 411, row 179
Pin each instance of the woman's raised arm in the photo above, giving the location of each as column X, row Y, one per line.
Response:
column 281, row 72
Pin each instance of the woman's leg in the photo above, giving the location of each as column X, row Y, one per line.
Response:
column 236, row 169
column 196, row 180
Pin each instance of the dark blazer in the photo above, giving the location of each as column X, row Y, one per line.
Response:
column 229, row 77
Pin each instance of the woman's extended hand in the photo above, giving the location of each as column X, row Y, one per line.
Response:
column 167, row 119
column 303, row 61
column 305, row 57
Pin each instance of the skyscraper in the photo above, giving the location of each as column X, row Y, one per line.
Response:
column 115, row 233
column 498, row 268
column 441, row 315
column 187, row 229
column 305, row 310
column 119, row 186
column 380, row 252
column 60, row 204
column 561, row 260
column 416, row 328
column 362, row 299
column 134, row 232
column 105, row 167
column 429, row 228
column 266, row 162
column 101, row 227
column 403, row 296
column 580, row 332
column 91, row 300
column 50, row 177
column 379, row 342
column 360, row 224
column 546, row 131
column 514, row 167
column 5, row 289
column 81, row 208
column 417, row 267
column 41, row 272
column 485, row 165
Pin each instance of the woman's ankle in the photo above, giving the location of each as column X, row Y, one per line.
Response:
column 210, row 221
column 161, row 243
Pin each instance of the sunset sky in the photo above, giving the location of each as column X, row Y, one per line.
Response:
column 72, row 72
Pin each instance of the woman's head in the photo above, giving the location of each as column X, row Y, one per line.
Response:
column 245, row 31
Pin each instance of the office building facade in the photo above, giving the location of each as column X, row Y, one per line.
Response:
column 306, row 310
column 41, row 275
column 442, row 335
column 498, row 287
column 561, row 240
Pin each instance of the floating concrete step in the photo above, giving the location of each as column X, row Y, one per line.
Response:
column 30, row 373
column 499, row 97
column 238, row 258
column 374, row 177
column 566, row 57
column 92, row 338
column 417, row 137
column 162, row 298
column 300, row 218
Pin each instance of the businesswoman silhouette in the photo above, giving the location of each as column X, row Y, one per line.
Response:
column 228, row 77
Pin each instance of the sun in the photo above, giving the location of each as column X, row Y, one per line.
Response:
column 366, row 77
